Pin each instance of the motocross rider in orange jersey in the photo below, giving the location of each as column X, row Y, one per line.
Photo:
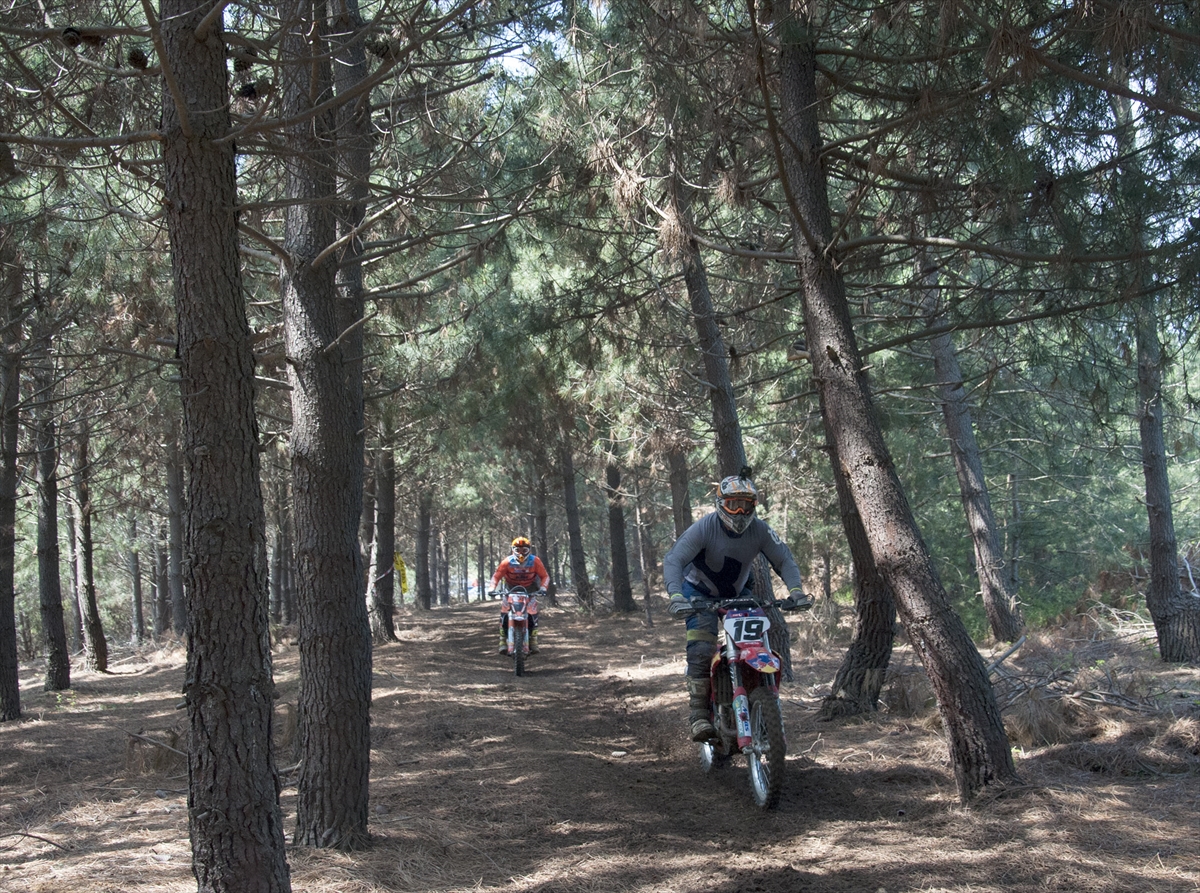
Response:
column 712, row 560
column 525, row 569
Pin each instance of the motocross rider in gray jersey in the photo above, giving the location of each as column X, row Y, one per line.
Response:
column 712, row 559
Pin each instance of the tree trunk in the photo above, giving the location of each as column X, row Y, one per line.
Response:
column 383, row 625
column 137, row 621
column 584, row 592
column 366, row 529
column 162, row 590
column 54, row 631
column 540, row 514
column 978, row 745
column 1176, row 615
column 681, row 500
column 423, row 594
column 10, row 371
column 175, row 507
column 622, row 586
column 76, row 627
column 860, row 678
column 645, row 553
column 1013, row 533
column 999, row 600
column 731, row 453
column 324, row 351
column 233, row 789
column 95, row 645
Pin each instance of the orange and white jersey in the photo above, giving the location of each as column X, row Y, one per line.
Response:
column 529, row 573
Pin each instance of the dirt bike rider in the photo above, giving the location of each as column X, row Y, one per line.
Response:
column 522, row 568
column 712, row 559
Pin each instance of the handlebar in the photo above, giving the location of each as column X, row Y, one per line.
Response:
column 714, row 604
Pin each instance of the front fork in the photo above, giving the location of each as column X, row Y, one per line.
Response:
column 512, row 635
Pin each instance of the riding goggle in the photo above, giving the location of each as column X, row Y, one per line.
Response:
column 739, row 505
column 521, row 550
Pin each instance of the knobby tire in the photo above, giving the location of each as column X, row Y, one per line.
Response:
column 768, row 754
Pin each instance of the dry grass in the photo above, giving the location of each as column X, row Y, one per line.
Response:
column 577, row 776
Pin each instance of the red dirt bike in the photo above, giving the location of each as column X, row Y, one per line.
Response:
column 518, row 601
column 745, row 697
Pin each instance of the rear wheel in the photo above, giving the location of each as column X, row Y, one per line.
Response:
column 715, row 754
column 768, row 749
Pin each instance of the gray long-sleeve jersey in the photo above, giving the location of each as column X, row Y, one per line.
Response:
column 719, row 562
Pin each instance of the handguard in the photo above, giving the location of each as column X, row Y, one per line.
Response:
column 679, row 606
column 796, row 601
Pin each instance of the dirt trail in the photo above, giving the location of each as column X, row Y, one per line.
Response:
column 577, row 777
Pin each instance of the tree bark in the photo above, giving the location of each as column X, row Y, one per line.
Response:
column 861, row 676
column 175, row 509
column 999, row 599
column 584, row 592
column 10, row 371
column 978, row 745
column 137, row 620
column 162, row 590
column 681, row 500
column 540, row 515
column 324, row 355
column 731, row 452
column 423, row 593
column 233, row 789
column 383, row 625
column 622, row 585
column 1176, row 615
column 54, row 631
column 95, row 645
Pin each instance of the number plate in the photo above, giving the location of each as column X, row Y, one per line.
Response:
column 742, row 630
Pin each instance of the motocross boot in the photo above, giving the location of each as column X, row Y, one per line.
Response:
column 503, row 643
column 533, row 648
column 698, row 719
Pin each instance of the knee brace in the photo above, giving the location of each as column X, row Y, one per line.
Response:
column 701, row 646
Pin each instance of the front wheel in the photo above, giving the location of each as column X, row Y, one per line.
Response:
column 768, row 749
column 520, row 631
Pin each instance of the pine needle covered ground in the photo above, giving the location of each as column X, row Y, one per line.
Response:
column 578, row 777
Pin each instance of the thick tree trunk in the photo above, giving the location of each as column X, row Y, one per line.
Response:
column 584, row 592
column 54, row 631
column 324, row 351
column 999, row 600
column 233, row 788
column 11, row 277
column 622, row 586
column 978, row 745
column 95, row 645
column 860, row 678
column 1176, row 615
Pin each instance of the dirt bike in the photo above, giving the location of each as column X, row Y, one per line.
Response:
column 517, row 600
column 745, row 697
